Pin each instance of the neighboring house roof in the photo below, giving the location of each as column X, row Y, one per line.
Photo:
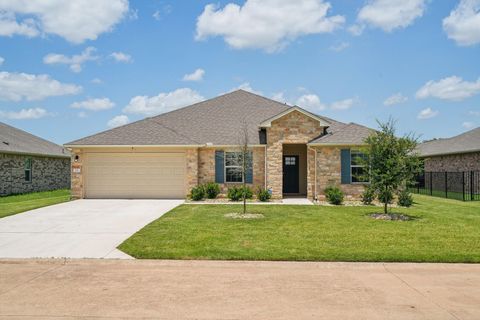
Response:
column 218, row 121
column 463, row 143
column 344, row 134
column 13, row 140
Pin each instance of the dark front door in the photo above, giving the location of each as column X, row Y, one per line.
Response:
column 290, row 174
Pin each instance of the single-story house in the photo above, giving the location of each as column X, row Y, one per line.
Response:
column 30, row 164
column 455, row 154
column 294, row 152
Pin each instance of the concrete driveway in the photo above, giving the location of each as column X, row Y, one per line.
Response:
column 78, row 229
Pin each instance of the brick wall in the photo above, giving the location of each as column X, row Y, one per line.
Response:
column 293, row 128
column 329, row 173
column 47, row 174
column 206, row 167
column 454, row 162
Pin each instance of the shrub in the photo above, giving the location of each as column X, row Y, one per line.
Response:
column 236, row 193
column 263, row 195
column 334, row 195
column 385, row 197
column 405, row 198
column 197, row 193
column 212, row 190
column 368, row 196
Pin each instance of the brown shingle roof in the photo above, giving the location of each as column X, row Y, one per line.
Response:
column 344, row 134
column 463, row 143
column 13, row 140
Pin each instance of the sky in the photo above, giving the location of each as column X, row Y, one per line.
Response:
column 69, row 69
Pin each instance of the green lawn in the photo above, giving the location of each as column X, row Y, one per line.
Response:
column 11, row 205
column 443, row 230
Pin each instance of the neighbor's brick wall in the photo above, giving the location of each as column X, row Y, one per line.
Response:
column 454, row 163
column 293, row 128
column 206, row 167
column 47, row 174
column 329, row 173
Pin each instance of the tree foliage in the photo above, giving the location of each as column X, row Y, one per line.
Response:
column 392, row 161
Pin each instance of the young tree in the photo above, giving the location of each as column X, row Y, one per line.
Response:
column 392, row 161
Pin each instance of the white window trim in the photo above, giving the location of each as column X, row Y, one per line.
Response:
column 356, row 166
column 30, row 170
column 225, row 168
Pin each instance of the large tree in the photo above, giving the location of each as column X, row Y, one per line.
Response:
column 392, row 161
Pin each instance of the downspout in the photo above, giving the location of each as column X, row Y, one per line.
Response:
column 315, row 173
column 265, row 169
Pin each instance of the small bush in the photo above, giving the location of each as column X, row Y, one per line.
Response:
column 263, row 195
column 405, row 198
column 368, row 196
column 385, row 197
column 334, row 195
column 212, row 190
column 197, row 193
column 236, row 193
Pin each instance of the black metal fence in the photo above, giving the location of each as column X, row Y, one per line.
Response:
column 463, row 186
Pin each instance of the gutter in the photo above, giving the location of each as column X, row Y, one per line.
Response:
column 45, row 155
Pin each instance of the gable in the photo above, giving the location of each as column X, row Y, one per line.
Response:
column 306, row 114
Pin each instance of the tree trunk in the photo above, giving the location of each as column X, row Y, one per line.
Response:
column 385, row 208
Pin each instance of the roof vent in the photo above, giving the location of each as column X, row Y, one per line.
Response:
column 6, row 143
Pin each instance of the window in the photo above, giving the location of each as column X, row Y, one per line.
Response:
column 28, row 169
column 357, row 164
column 233, row 167
column 290, row 161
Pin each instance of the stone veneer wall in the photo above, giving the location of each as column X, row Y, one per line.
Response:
column 48, row 173
column 206, row 167
column 454, row 163
column 292, row 128
column 329, row 173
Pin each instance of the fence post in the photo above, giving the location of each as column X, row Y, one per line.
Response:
column 471, row 186
column 446, row 182
column 463, row 185
column 431, row 184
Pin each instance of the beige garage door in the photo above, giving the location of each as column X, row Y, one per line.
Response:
column 135, row 175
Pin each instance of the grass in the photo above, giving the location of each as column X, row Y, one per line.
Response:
column 11, row 205
column 442, row 230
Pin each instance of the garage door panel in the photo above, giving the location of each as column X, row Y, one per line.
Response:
column 135, row 175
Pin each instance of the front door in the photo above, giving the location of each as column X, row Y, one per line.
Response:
column 290, row 174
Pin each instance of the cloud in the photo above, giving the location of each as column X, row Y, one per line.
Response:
column 310, row 101
column 96, row 81
column 247, row 87
column 474, row 113
column 280, row 97
column 118, row 121
column 356, row 29
column 24, row 114
column 340, row 46
column 197, row 75
column 75, row 62
column 18, row 86
column 468, row 125
column 343, row 104
column 2, row 60
column 82, row 114
column 427, row 114
column 159, row 14
column 121, row 57
column 163, row 102
column 452, row 88
column 389, row 15
column 397, row 98
column 94, row 104
column 75, row 21
column 266, row 24
column 463, row 23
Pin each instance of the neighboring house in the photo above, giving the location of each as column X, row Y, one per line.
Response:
column 456, row 154
column 294, row 152
column 29, row 163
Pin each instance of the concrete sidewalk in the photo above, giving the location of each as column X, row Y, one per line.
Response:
column 101, row 289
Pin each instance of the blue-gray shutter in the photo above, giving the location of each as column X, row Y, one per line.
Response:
column 219, row 166
column 249, row 173
column 345, row 161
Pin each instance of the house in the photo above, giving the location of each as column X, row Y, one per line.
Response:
column 456, row 154
column 29, row 163
column 294, row 152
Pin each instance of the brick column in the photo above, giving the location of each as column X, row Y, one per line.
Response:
column 191, row 169
column 77, row 182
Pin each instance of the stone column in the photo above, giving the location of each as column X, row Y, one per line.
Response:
column 77, row 181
